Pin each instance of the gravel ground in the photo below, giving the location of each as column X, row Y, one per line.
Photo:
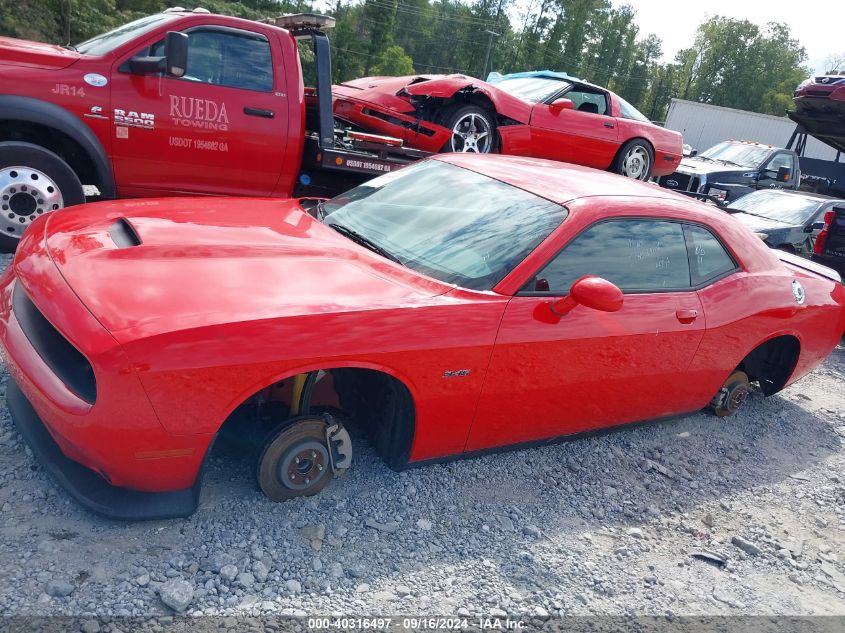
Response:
column 614, row 525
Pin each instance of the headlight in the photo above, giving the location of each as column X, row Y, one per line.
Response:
column 719, row 194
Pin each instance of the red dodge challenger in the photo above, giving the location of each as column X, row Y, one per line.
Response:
column 462, row 304
column 540, row 114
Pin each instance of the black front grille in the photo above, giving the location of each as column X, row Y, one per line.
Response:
column 818, row 93
column 676, row 180
column 61, row 357
column 680, row 182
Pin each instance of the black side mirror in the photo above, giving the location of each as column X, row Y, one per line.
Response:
column 815, row 226
column 176, row 53
column 694, row 153
column 784, row 174
column 174, row 62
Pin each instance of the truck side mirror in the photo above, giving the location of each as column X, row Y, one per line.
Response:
column 784, row 174
column 176, row 53
column 173, row 62
column 815, row 226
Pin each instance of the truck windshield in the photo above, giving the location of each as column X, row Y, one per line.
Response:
column 533, row 89
column 107, row 42
column 446, row 222
column 739, row 154
column 781, row 207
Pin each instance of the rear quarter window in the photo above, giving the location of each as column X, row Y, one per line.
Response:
column 708, row 258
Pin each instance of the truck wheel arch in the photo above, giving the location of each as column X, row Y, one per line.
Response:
column 17, row 109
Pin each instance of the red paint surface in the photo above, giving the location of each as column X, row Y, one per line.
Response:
column 534, row 130
column 226, row 297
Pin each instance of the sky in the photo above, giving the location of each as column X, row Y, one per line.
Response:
column 816, row 24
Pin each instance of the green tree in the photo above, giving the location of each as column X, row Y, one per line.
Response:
column 394, row 62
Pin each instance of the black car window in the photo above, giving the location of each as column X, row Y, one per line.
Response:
column 588, row 100
column 636, row 255
column 226, row 57
column 708, row 258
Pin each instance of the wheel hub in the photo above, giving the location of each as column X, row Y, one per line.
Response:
column 25, row 193
column 736, row 397
column 23, row 203
column 636, row 163
column 471, row 130
column 303, row 465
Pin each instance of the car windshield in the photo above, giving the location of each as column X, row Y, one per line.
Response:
column 781, row 207
column 107, row 42
column 533, row 89
column 739, row 154
column 446, row 222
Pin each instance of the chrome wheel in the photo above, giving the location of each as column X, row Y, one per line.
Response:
column 636, row 163
column 25, row 193
column 472, row 132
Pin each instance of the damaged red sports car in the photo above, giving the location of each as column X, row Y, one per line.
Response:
column 462, row 304
column 540, row 114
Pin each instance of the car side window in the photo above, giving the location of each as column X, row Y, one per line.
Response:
column 586, row 100
column 778, row 161
column 236, row 59
column 708, row 258
column 636, row 255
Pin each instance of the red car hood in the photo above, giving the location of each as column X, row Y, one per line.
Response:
column 380, row 90
column 35, row 54
column 203, row 262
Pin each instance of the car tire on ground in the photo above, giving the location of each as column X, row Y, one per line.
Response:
column 473, row 130
column 33, row 181
column 295, row 460
column 634, row 160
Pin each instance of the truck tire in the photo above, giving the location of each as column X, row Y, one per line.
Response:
column 634, row 160
column 473, row 130
column 33, row 181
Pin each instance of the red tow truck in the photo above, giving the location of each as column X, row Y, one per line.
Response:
column 176, row 103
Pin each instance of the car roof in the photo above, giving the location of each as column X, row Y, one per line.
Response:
column 558, row 182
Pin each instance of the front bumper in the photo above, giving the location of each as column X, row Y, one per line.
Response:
column 114, row 438
column 416, row 133
column 86, row 486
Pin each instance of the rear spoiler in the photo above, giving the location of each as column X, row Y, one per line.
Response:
column 807, row 265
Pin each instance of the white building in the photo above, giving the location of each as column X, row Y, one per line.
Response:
column 703, row 125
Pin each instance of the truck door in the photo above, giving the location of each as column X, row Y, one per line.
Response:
column 219, row 129
column 585, row 135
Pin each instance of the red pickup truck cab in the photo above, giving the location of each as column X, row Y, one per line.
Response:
column 180, row 102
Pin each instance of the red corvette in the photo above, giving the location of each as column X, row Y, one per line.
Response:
column 539, row 114
column 462, row 304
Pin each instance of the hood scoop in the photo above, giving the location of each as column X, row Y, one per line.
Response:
column 123, row 234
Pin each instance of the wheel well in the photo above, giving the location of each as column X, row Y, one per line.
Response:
column 636, row 138
column 438, row 110
column 372, row 401
column 57, row 142
column 771, row 363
